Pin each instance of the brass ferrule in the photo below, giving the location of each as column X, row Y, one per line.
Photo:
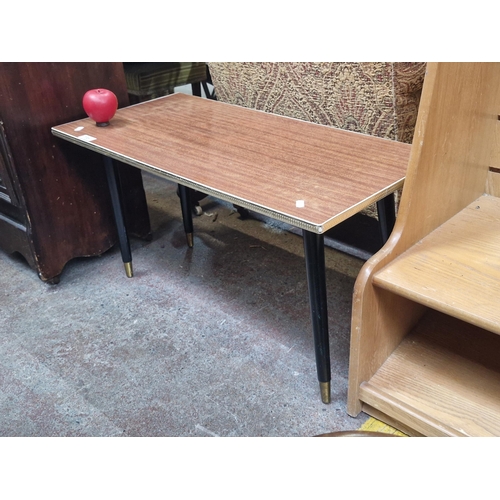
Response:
column 128, row 269
column 325, row 392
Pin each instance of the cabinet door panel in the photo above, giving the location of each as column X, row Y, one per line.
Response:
column 7, row 191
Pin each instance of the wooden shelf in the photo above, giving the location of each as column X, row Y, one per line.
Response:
column 425, row 333
column 456, row 268
column 442, row 380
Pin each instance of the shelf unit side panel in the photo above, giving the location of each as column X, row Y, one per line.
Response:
column 452, row 146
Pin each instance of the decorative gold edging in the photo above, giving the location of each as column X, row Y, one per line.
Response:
column 266, row 211
column 302, row 224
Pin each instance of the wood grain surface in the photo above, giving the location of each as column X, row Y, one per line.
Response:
column 456, row 268
column 443, row 379
column 264, row 162
column 61, row 207
column 437, row 373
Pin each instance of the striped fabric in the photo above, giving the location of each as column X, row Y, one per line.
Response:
column 156, row 79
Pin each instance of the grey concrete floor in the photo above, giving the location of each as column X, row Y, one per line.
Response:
column 210, row 341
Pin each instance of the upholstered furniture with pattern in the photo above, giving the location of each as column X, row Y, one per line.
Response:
column 376, row 98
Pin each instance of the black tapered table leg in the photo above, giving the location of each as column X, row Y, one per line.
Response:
column 116, row 200
column 196, row 88
column 314, row 249
column 185, row 195
column 386, row 216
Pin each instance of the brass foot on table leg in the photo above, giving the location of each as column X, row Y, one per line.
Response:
column 128, row 269
column 325, row 392
column 189, row 238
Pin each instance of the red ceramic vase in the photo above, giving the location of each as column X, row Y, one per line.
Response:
column 100, row 105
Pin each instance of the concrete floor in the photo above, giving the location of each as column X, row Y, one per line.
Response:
column 210, row 341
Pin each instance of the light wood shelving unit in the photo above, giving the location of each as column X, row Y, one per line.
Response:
column 425, row 341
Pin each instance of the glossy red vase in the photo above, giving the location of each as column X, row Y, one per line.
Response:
column 100, row 105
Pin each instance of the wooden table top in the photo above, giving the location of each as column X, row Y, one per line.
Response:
column 311, row 176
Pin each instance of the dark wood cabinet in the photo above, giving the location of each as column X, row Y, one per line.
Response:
column 54, row 200
column 7, row 191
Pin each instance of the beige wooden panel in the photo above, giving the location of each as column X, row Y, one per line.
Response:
column 452, row 147
column 495, row 145
column 456, row 269
column 443, row 379
column 493, row 181
column 452, row 150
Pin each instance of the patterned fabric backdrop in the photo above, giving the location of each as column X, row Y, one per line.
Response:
column 377, row 98
column 374, row 98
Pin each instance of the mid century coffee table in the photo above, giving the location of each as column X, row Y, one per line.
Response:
column 309, row 176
